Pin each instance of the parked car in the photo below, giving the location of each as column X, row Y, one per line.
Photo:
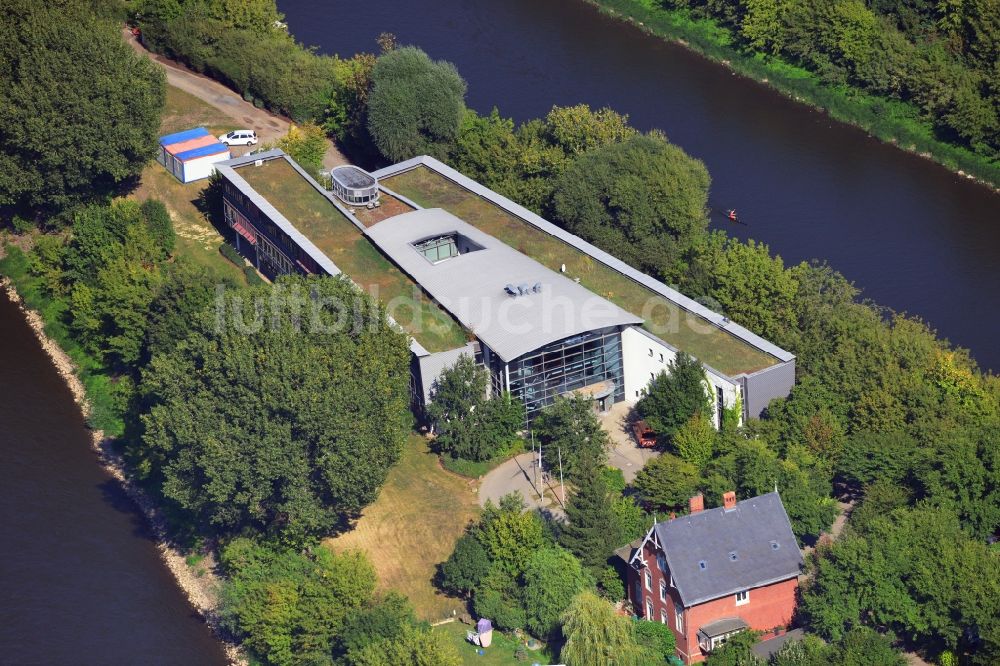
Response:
column 239, row 138
column 645, row 438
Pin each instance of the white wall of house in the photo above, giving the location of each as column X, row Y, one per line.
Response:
column 644, row 357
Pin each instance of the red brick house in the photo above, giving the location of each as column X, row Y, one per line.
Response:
column 716, row 572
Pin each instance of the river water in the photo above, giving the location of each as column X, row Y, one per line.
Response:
column 81, row 581
column 915, row 237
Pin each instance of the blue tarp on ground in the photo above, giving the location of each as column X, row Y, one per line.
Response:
column 186, row 135
column 212, row 149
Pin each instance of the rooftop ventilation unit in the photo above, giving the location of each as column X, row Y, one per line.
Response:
column 258, row 162
column 510, row 289
column 537, row 288
column 523, row 289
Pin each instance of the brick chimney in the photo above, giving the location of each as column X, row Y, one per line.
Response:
column 697, row 503
column 729, row 500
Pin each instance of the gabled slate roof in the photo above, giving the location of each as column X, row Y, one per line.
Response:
column 715, row 552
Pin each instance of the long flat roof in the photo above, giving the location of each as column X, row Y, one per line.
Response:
column 673, row 318
column 474, row 287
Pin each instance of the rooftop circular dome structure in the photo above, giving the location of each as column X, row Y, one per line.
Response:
column 354, row 185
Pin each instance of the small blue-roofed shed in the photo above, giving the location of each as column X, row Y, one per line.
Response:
column 192, row 154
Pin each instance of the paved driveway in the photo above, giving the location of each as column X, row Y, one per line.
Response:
column 624, row 454
column 519, row 474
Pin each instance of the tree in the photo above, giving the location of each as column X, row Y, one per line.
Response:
column 466, row 567
column 420, row 647
column 510, row 535
column 551, row 579
column 695, row 440
column 468, row 424
column 288, row 605
column 161, row 228
column 578, row 129
column 306, row 144
column 675, row 395
column 597, row 636
column 73, row 132
column 591, row 533
column 570, row 426
column 386, row 619
column 666, row 483
column 186, row 294
column 287, row 428
column 643, row 200
column 415, row 105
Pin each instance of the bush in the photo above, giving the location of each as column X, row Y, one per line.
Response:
column 415, row 106
column 230, row 253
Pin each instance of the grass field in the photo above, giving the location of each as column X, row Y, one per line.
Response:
column 413, row 526
column 500, row 653
column 337, row 237
column 197, row 238
column 682, row 329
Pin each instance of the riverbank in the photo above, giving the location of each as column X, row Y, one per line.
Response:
column 200, row 586
column 891, row 121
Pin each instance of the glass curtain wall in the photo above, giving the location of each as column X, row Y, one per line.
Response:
column 570, row 364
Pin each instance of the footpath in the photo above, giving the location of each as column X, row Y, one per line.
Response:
column 269, row 126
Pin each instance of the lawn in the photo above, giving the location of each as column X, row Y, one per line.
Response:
column 499, row 653
column 682, row 329
column 413, row 526
column 184, row 111
column 337, row 237
column 197, row 238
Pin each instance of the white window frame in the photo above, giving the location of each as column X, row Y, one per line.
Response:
column 742, row 597
column 663, row 590
column 649, row 609
column 663, row 616
column 648, row 579
column 678, row 618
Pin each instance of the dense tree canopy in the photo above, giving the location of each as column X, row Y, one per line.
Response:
column 289, row 605
column 469, row 424
column 643, row 200
column 596, row 635
column 287, row 426
column 569, row 426
column 73, row 131
column 592, row 531
column 674, row 396
column 415, row 106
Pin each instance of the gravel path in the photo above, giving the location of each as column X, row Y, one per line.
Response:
column 268, row 126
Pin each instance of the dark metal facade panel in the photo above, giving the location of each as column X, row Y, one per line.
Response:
column 762, row 387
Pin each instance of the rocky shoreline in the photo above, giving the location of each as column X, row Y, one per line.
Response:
column 200, row 587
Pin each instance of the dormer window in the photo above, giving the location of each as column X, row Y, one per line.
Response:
column 742, row 597
column 661, row 561
column 733, row 556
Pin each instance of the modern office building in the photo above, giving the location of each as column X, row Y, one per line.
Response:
column 463, row 270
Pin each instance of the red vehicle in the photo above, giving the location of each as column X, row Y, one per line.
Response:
column 644, row 435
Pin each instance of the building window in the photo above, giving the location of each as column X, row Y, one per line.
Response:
column 663, row 591
column 638, row 593
column 661, row 561
column 650, row 353
column 742, row 597
column 678, row 617
column 649, row 580
column 720, row 403
column 649, row 609
column 663, row 616
column 652, row 376
column 661, row 358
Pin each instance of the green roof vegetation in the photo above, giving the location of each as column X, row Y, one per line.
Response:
column 668, row 321
column 337, row 237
